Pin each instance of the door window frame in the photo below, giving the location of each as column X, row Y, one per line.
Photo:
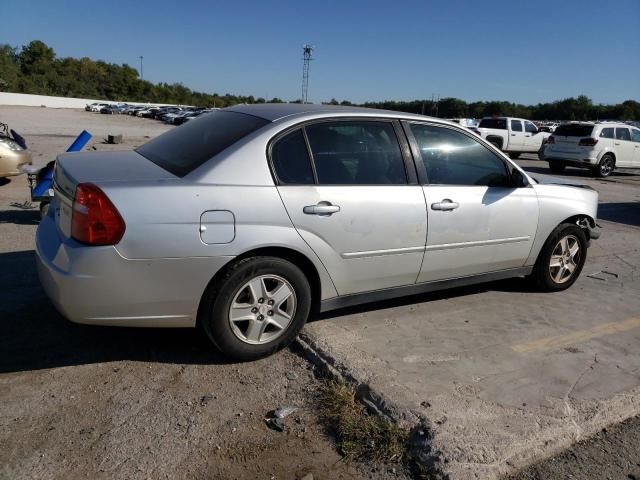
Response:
column 417, row 155
column 409, row 165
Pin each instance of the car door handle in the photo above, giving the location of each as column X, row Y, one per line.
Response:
column 322, row 208
column 513, row 134
column 445, row 204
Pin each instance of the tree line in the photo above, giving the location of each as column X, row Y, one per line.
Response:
column 35, row 69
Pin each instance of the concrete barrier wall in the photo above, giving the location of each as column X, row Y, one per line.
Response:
column 53, row 102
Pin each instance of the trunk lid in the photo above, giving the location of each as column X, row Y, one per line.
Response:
column 99, row 168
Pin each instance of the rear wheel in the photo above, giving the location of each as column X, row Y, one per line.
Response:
column 556, row 166
column 606, row 166
column 257, row 307
column 561, row 258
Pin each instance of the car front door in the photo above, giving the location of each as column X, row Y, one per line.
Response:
column 478, row 222
column 624, row 147
column 352, row 196
column 532, row 137
column 516, row 136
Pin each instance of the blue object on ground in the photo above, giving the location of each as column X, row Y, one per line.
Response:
column 45, row 177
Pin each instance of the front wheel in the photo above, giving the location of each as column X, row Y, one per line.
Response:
column 257, row 307
column 514, row 155
column 561, row 258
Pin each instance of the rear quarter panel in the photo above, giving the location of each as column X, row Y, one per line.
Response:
column 163, row 221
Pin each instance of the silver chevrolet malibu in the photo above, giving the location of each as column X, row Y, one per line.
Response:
column 246, row 220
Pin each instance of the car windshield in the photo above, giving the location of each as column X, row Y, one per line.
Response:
column 183, row 149
column 573, row 130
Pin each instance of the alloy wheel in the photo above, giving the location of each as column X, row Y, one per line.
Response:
column 262, row 309
column 565, row 259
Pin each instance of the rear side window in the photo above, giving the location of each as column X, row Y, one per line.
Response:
column 185, row 148
column 291, row 160
column 623, row 134
column 573, row 130
column 516, row 125
column 453, row 158
column 496, row 123
column 606, row 133
column 356, row 153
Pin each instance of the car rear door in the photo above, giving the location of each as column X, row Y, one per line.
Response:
column 478, row 222
column 350, row 192
column 624, row 147
column 516, row 136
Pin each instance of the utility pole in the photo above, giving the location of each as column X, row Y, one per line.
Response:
column 307, row 50
column 141, row 72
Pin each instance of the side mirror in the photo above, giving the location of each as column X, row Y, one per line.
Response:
column 518, row 180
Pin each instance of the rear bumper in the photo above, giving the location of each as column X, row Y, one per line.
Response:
column 586, row 159
column 96, row 285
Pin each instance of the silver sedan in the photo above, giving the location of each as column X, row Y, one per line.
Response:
column 248, row 219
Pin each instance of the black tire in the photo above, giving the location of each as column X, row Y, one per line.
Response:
column 514, row 155
column 556, row 166
column 606, row 166
column 214, row 313
column 542, row 275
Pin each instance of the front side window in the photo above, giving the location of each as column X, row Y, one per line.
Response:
column 606, row 133
column 516, row 125
column 453, row 158
column 623, row 134
column 530, row 127
column 356, row 153
column 291, row 160
column 635, row 135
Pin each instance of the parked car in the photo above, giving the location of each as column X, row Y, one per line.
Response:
column 261, row 213
column 147, row 112
column 96, row 107
column 601, row 147
column 89, row 107
column 13, row 152
column 513, row 135
column 186, row 117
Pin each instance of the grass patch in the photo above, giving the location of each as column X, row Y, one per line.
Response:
column 360, row 435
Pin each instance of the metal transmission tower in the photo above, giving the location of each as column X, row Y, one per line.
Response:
column 307, row 51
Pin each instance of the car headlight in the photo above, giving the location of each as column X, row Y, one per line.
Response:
column 10, row 144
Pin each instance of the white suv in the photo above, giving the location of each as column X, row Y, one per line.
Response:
column 598, row 146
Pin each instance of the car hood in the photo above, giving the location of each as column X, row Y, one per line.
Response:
column 551, row 180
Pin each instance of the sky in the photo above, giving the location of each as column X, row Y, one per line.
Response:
column 368, row 50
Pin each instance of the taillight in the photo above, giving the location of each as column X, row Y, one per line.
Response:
column 95, row 220
column 588, row 142
column 551, row 140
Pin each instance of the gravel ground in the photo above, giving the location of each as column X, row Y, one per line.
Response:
column 94, row 402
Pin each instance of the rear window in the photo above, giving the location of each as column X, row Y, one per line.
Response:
column 185, row 148
column 573, row 130
column 497, row 123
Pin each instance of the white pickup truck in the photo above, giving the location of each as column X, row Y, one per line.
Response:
column 513, row 135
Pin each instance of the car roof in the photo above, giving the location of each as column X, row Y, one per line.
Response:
column 277, row 111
